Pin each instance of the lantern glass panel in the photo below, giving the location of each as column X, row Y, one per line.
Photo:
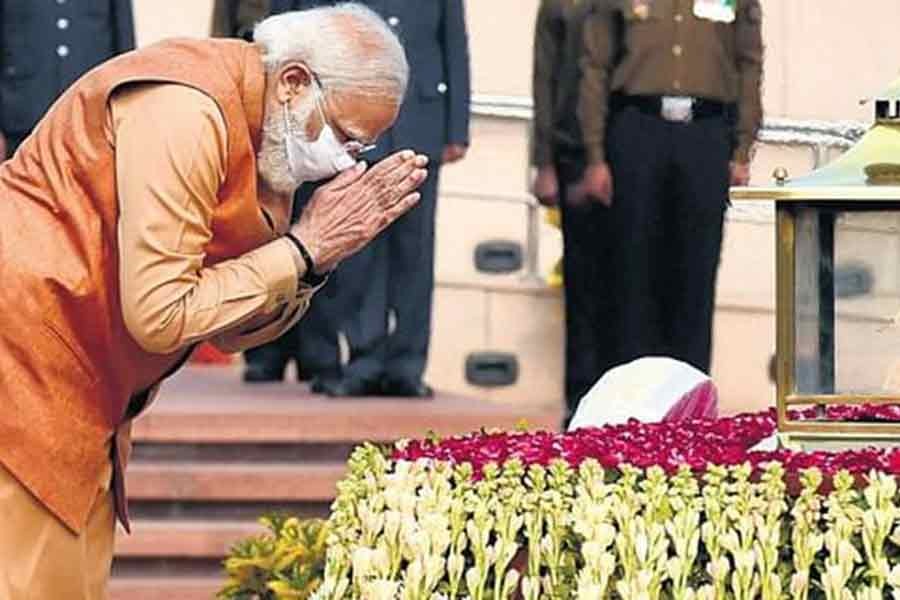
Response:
column 847, row 294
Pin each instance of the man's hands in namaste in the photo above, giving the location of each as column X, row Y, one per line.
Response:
column 347, row 213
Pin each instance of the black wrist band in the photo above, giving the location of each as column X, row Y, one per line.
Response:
column 310, row 278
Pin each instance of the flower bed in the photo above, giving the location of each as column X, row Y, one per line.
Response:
column 637, row 511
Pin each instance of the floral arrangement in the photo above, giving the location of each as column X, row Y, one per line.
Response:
column 686, row 511
column 285, row 563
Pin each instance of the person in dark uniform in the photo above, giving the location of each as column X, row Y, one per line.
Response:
column 267, row 363
column 379, row 302
column 558, row 154
column 45, row 47
column 670, row 107
column 383, row 296
column 317, row 353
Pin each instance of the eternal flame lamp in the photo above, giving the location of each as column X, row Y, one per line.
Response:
column 838, row 287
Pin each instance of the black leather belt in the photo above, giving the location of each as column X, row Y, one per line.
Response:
column 687, row 108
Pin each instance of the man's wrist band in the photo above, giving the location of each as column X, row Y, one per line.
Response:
column 309, row 278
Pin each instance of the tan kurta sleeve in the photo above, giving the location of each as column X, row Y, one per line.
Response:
column 170, row 145
column 243, row 338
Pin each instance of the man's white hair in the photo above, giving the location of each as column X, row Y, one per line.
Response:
column 348, row 46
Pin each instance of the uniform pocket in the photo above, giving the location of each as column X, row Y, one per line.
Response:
column 433, row 89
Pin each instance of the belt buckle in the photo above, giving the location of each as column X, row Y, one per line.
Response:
column 679, row 109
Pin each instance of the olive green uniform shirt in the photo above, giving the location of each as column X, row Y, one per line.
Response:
column 557, row 47
column 660, row 48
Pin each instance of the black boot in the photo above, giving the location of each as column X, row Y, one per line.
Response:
column 265, row 364
column 263, row 373
column 346, row 387
column 406, row 388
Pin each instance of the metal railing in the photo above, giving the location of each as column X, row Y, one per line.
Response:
column 821, row 137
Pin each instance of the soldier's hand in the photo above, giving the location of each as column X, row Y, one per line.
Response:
column 740, row 173
column 454, row 153
column 546, row 186
column 598, row 184
column 347, row 213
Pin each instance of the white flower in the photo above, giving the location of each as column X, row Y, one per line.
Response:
column 362, row 562
column 509, row 583
column 380, row 589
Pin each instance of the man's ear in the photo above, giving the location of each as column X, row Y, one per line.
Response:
column 292, row 80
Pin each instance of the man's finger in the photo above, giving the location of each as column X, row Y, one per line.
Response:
column 395, row 177
column 409, row 184
column 394, row 161
column 348, row 177
column 402, row 207
column 400, row 174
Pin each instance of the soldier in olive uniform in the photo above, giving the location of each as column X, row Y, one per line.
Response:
column 670, row 107
column 558, row 155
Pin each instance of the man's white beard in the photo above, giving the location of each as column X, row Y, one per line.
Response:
column 272, row 162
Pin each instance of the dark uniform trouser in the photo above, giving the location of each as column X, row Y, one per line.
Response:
column 389, row 300
column 392, row 275
column 589, row 309
column 318, row 352
column 671, row 189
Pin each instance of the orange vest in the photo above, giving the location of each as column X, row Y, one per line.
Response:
column 68, row 367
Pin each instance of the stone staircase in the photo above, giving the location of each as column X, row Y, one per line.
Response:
column 213, row 454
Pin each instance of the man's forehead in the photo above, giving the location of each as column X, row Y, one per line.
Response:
column 364, row 117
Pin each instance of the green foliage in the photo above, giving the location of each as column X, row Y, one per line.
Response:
column 285, row 563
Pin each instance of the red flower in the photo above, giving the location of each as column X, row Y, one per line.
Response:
column 669, row 445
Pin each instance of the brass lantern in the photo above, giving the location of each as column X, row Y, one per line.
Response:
column 838, row 287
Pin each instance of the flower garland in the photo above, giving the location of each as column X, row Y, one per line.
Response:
column 640, row 511
column 669, row 445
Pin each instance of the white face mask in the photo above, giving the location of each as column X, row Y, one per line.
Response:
column 319, row 159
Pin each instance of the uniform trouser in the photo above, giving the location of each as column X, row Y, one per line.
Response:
column 40, row 559
column 671, row 190
column 386, row 291
column 273, row 355
column 379, row 300
column 589, row 306
column 313, row 341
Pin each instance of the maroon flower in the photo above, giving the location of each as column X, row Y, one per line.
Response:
column 696, row 443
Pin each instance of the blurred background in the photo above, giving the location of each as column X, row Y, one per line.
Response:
column 822, row 62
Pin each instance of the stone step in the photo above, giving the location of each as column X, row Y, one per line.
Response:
column 209, row 406
column 164, row 588
column 246, row 482
column 182, row 539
